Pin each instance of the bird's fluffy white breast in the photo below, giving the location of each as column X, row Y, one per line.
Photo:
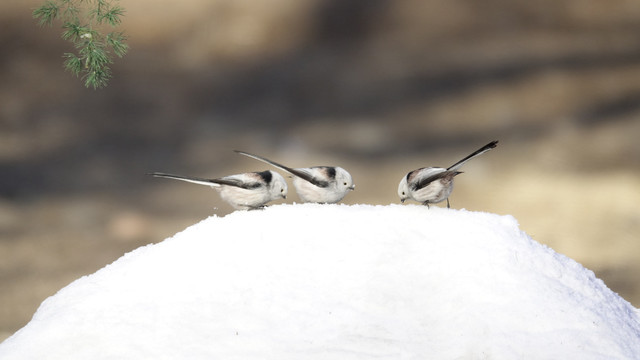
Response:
column 241, row 198
column 434, row 192
column 244, row 198
column 311, row 193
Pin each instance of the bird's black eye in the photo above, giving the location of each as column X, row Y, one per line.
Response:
column 281, row 190
column 345, row 184
column 403, row 193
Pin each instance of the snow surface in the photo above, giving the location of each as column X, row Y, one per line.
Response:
column 337, row 282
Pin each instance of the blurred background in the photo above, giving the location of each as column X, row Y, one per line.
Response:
column 377, row 87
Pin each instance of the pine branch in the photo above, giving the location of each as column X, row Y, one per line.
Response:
column 83, row 21
column 46, row 13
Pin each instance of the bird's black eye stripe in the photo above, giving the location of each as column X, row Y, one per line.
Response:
column 331, row 172
column 266, row 176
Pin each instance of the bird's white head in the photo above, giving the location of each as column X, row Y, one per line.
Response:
column 278, row 186
column 403, row 189
column 343, row 180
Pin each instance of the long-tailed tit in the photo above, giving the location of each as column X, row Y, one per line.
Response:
column 430, row 185
column 317, row 184
column 246, row 191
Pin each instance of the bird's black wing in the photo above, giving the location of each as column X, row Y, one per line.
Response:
column 429, row 179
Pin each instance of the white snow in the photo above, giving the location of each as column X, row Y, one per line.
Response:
column 337, row 282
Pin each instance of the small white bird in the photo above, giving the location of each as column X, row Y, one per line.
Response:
column 246, row 191
column 317, row 184
column 430, row 185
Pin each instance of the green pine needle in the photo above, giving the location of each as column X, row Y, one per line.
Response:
column 82, row 23
column 97, row 78
column 117, row 41
column 46, row 13
column 73, row 63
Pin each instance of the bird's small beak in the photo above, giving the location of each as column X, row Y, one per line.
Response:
column 402, row 200
column 284, row 196
column 352, row 187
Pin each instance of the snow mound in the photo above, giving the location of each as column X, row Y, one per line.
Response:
column 337, row 282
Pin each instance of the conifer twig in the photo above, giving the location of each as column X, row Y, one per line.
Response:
column 83, row 24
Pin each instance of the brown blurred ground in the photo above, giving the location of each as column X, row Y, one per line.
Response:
column 378, row 87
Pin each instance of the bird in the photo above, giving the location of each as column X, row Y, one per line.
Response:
column 431, row 185
column 317, row 184
column 248, row 191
